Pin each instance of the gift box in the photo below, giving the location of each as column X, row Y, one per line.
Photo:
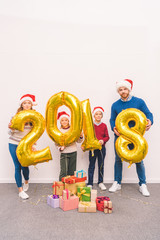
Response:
column 80, row 174
column 100, row 203
column 84, row 194
column 87, row 207
column 107, row 206
column 53, row 201
column 73, row 179
column 69, row 204
column 93, row 195
column 58, row 188
column 73, row 187
column 66, row 194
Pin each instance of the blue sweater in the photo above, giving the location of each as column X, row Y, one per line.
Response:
column 134, row 102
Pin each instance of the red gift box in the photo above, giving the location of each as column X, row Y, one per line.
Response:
column 100, row 203
column 73, row 179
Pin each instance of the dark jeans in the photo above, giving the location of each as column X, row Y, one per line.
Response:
column 18, row 167
column 100, row 154
column 67, row 164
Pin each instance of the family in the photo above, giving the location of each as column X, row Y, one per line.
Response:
column 68, row 154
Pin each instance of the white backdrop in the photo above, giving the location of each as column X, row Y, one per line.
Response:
column 82, row 47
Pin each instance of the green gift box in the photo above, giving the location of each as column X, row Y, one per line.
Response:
column 84, row 194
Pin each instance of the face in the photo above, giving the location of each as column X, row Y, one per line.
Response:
column 123, row 92
column 27, row 105
column 64, row 122
column 98, row 116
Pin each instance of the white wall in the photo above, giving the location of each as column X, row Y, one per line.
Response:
column 82, row 47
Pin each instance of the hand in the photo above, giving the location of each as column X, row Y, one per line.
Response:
column 61, row 148
column 101, row 142
column 148, row 124
column 82, row 148
column 9, row 125
column 81, row 136
column 116, row 132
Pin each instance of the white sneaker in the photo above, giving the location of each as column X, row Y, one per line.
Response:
column 143, row 189
column 115, row 186
column 102, row 186
column 25, row 187
column 23, row 195
column 90, row 186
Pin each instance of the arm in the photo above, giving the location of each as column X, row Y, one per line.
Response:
column 148, row 114
column 112, row 121
column 106, row 135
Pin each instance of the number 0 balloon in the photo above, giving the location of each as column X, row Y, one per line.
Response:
column 132, row 135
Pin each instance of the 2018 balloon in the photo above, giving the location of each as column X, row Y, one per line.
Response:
column 57, row 100
column 133, row 135
column 90, row 142
column 25, row 154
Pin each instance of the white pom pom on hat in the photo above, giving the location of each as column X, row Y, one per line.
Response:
column 125, row 83
column 28, row 97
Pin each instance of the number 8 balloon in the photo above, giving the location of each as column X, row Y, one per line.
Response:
column 132, row 135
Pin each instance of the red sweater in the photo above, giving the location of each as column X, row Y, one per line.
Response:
column 101, row 132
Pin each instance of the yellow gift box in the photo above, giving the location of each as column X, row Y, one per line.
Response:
column 73, row 187
column 87, row 207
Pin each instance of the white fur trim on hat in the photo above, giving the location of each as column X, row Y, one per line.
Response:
column 124, row 83
column 98, row 109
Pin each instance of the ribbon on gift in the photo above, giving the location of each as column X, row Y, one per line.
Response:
column 100, row 202
column 82, row 193
column 81, row 171
column 55, row 196
column 106, row 206
column 56, row 184
column 64, row 178
column 86, row 204
column 67, row 193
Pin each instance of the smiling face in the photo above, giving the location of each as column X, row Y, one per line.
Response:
column 27, row 105
column 123, row 92
column 64, row 122
column 98, row 116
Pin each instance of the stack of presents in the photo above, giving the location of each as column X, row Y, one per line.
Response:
column 71, row 193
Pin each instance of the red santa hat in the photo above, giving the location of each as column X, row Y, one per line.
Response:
column 125, row 83
column 63, row 114
column 28, row 97
column 96, row 109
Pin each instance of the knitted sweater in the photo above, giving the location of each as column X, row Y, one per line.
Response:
column 101, row 132
column 16, row 135
column 134, row 102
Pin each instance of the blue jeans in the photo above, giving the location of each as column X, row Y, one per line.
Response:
column 118, row 168
column 100, row 154
column 18, row 167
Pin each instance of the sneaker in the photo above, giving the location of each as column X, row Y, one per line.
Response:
column 90, row 186
column 23, row 195
column 25, row 187
column 115, row 186
column 102, row 186
column 143, row 189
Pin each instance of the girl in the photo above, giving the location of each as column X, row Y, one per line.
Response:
column 26, row 103
column 101, row 132
column 68, row 157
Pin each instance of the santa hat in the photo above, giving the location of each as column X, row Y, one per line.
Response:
column 96, row 109
column 125, row 83
column 63, row 114
column 28, row 97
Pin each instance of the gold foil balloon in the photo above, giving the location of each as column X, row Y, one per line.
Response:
column 132, row 135
column 24, row 150
column 57, row 100
column 90, row 142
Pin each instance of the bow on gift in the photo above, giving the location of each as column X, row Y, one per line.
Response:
column 55, row 196
column 64, row 178
column 81, row 171
column 56, row 184
column 83, row 192
column 86, row 204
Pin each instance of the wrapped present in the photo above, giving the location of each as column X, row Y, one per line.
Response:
column 69, row 204
column 73, row 187
column 100, row 203
column 107, row 206
column 93, row 195
column 84, row 194
column 58, row 188
column 66, row 194
column 73, row 179
column 53, row 201
column 87, row 207
column 80, row 174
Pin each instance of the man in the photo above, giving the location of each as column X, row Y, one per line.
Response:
column 127, row 101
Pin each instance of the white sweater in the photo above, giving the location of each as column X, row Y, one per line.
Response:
column 16, row 135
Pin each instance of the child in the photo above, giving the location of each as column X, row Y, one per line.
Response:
column 26, row 103
column 102, row 135
column 68, row 157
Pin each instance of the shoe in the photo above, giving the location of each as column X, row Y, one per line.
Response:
column 102, row 186
column 115, row 186
column 25, row 187
column 143, row 189
column 90, row 186
column 23, row 195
